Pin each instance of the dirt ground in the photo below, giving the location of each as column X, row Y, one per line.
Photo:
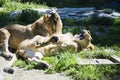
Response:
column 21, row 74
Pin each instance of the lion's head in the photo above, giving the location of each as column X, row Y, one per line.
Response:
column 84, row 35
column 83, row 40
column 48, row 24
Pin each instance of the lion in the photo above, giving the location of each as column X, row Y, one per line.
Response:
column 38, row 47
column 12, row 35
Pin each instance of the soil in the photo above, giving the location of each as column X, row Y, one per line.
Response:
column 21, row 74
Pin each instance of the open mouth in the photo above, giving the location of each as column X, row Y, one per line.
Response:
column 81, row 36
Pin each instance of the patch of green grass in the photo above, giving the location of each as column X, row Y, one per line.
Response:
column 12, row 6
column 20, row 63
column 93, row 72
column 4, row 18
column 67, row 62
column 117, row 21
column 94, row 20
column 70, row 22
column 27, row 65
column 62, row 62
column 2, row 2
column 74, row 30
column 27, row 16
column 107, row 10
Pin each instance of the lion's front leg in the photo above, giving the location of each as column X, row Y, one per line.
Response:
column 8, row 67
column 40, row 62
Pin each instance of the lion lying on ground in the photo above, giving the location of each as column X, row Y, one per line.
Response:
column 13, row 35
column 36, row 48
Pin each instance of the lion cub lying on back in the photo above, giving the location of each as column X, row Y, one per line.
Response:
column 36, row 48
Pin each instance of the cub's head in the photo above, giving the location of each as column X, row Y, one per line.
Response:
column 85, row 35
column 83, row 40
column 48, row 24
column 53, row 22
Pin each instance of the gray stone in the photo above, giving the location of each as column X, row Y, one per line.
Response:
column 115, row 58
column 104, row 61
column 94, row 61
column 116, row 14
column 72, row 14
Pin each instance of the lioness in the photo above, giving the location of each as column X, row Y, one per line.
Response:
column 36, row 48
column 13, row 35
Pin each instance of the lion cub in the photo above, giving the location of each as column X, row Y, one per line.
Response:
column 84, row 40
column 39, row 46
column 13, row 35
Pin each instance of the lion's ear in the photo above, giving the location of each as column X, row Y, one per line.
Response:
column 88, row 31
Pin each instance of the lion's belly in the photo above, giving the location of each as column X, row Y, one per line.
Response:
column 14, row 42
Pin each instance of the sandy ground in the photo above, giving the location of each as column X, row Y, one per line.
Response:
column 21, row 74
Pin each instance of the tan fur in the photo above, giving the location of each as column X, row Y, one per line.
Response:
column 13, row 35
column 86, row 42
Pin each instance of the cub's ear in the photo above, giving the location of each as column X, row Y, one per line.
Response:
column 88, row 31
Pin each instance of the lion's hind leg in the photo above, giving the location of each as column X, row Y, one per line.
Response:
column 33, row 56
column 4, row 40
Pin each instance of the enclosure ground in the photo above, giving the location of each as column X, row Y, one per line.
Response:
column 21, row 74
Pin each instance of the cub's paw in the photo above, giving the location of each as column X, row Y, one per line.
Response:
column 54, row 39
column 42, row 65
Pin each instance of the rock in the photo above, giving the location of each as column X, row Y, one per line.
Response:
column 72, row 14
column 45, row 10
column 104, row 15
column 107, row 15
column 8, row 70
column 14, row 14
column 94, row 61
column 116, row 14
